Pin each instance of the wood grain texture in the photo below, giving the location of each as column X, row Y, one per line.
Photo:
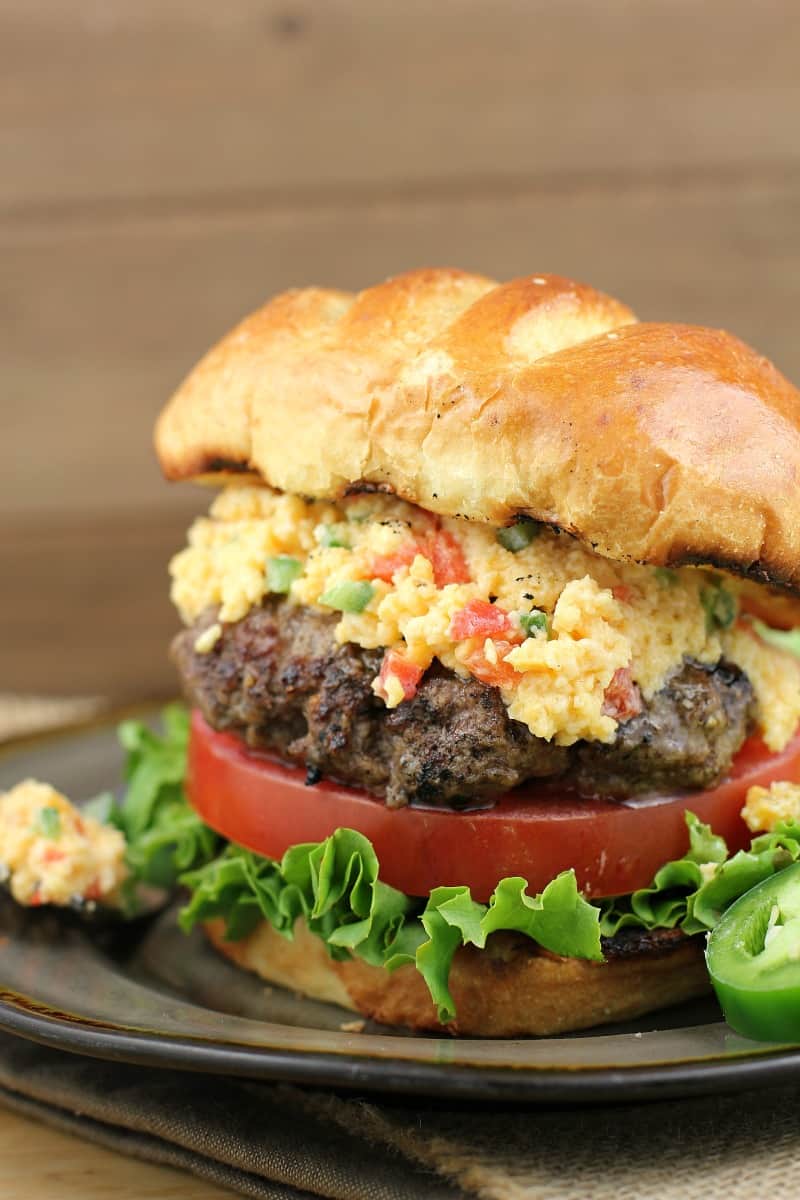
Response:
column 276, row 95
column 164, row 167
column 85, row 606
column 37, row 1163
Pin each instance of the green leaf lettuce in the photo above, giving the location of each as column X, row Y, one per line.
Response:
column 164, row 835
column 335, row 885
column 693, row 892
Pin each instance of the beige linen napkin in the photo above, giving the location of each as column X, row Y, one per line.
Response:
column 276, row 1141
column 273, row 1140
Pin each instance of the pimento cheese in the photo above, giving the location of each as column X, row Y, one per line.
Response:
column 603, row 620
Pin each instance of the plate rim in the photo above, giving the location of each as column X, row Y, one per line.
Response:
column 468, row 1082
column 460, row 1081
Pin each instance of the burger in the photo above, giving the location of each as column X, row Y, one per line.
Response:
column 486, row 645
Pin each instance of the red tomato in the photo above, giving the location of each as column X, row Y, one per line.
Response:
column 479, row 618
column 407, row 674
column 496, row 674
column 535, row 831
column 447, row 559
column 622, row 698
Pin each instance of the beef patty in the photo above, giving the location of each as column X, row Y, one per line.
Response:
column 278, row 679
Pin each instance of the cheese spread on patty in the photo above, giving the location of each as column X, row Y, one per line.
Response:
column 558, row 629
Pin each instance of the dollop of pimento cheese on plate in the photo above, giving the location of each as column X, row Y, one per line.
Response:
column 575, row 642
column 51, row 854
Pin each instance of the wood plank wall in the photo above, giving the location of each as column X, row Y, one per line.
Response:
column 166, row 165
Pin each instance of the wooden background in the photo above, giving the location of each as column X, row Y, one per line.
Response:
column 166, row 165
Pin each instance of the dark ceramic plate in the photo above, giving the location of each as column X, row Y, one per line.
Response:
column 146, row 994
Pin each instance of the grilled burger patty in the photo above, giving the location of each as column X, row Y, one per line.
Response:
column 278, row 679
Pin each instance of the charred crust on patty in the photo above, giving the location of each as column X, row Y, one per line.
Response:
column 279, row 680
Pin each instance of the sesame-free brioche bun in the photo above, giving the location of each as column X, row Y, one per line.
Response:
column 512, row 988
column 660, row 443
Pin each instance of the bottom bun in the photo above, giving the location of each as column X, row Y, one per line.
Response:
column 511, row 988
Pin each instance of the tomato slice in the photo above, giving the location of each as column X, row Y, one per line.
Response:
column 534, row 831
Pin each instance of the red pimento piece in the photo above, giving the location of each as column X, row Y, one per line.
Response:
column 35, row 899
column 447, row 559
column 479, row 618
column 496, row 674
column 622, row 593
column 52, row 854
column 93, row 891
column 384, row 566
column 439, row 547
column 623, row 699
column 743, row 625
column 406, row 673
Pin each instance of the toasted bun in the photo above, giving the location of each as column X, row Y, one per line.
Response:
column 509, row 989
column 664, row 444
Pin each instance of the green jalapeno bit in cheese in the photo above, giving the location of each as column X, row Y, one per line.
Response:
column 534, row 622
column 282, row 570
column 665, row 577
column 719, row 605
column 48, row 822
column 517, row 537
column 351, row 596
column 332, row 535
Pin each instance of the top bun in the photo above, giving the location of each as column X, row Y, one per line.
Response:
column 664, row 444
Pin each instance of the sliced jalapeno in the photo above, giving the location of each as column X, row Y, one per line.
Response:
column 753, row 958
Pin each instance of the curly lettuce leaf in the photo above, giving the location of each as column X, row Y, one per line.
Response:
column 164, row 835
column 784, row 639
column 334, row 886
column 559, row 919
column 155, row 767
column 693, row 892
column 450, row 919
